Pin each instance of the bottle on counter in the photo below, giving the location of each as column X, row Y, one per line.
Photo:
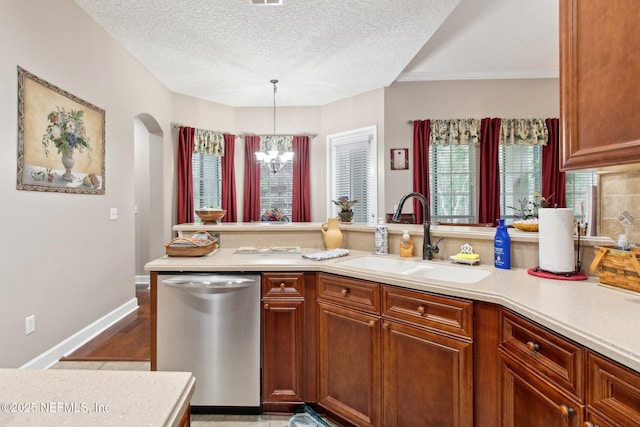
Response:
column 502, row 246
column 382, row 238
column 406, row 245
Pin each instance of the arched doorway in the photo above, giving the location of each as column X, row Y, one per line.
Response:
column 149, row 200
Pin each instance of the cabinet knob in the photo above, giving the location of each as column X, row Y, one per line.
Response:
column 385, row 325
column 533, row 346
column 282, row 286
column 372, row 323
column 266, row 306
column 421, row 309
column 345, row 292
column 566, row 411
column 590, row 424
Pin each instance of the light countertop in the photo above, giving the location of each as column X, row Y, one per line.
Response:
column 61, row 397
column 601, row 318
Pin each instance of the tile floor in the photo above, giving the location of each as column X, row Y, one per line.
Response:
column 197, row 420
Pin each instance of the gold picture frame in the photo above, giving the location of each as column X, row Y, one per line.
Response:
column 61, row 139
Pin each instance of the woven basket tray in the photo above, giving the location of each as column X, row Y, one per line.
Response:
column 617, row 268
column 185, row 246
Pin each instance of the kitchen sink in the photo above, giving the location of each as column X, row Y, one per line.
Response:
column 419, row 269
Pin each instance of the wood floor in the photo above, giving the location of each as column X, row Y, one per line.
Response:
column 128, row 340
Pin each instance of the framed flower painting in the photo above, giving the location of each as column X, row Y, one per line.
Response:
column 61, row 139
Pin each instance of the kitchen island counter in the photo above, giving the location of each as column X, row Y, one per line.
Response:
column 61, row 397
column 599, row 317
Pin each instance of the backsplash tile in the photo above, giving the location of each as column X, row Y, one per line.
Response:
column 619, row 193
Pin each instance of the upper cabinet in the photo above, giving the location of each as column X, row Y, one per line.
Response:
column 599, row 83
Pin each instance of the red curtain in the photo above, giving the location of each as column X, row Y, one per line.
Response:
column 421, row 130
column 489, row 192
column 185, row 176
column 553, row 181
column 251, row 209
column 229, row 179
column 300, row 199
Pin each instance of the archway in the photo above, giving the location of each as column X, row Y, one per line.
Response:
column 149, row 200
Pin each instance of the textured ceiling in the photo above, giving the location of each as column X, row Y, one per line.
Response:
column 227, row 51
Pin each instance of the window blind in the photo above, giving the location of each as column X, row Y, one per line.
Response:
column 353, row 176
column 520, row 177
column 276, row 190
column 207, row 180
column 452, row 179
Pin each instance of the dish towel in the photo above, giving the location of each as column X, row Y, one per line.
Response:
column 333, row 253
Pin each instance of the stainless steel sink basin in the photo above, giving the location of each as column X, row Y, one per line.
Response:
column 419, row 269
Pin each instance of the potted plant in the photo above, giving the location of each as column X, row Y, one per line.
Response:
column 346, row 213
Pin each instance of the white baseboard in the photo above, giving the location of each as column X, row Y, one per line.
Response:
column 83, row 336
column 143, row 281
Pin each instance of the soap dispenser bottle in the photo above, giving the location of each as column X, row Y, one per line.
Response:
column 406, row 245
column 382, row 238
column 502, row 246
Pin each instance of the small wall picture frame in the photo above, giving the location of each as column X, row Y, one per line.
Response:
column 399, row 159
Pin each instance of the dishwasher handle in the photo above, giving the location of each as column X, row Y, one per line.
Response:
column 209, row 282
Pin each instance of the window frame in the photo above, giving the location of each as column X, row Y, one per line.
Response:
column 355, row 136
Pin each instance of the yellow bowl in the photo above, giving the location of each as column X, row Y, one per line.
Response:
column 210, row 216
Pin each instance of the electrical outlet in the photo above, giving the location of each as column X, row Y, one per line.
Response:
column 113, row 213
column 30, row 324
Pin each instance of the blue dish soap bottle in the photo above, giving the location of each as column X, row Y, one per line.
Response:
column 502, row 246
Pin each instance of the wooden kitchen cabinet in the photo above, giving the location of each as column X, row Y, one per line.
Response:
column 349, row 349
column 613, row 393
column 599, row 90
column 427, row 359
column 541, row 374
column 283, row 341
column 529, row 401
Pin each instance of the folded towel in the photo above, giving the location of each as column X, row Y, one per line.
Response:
column 332, row 253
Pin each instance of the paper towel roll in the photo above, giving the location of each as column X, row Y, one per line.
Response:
column 555, row 240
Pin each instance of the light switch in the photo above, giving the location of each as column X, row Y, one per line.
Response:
column 113, row 213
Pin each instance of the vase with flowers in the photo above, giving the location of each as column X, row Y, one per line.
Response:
column 527, row 213
column 67, row 132
column 274, row 215
column 346, row 211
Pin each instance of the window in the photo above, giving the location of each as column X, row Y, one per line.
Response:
column 452, row 175
column 276, row 189
column 520, row 177
column 579, row 192
column 353, row 172
column 207, row 180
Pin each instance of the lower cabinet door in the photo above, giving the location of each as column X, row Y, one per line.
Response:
column 428, row 378
column 349, row 367
column 283, row 355
column 528, row 401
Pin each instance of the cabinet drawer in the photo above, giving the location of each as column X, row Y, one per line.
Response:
column 349, row 292
column 613, row 391
column 449, row 315
column 283, row 285
column 549, row 355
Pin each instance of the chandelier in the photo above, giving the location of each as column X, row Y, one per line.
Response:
column 273, row 155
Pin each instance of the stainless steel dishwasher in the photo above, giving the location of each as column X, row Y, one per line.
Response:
column 209, row 324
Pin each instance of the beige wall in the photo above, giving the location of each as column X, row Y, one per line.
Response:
column 63, row 259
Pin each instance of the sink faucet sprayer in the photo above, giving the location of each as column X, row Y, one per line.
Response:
column 427, row 248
